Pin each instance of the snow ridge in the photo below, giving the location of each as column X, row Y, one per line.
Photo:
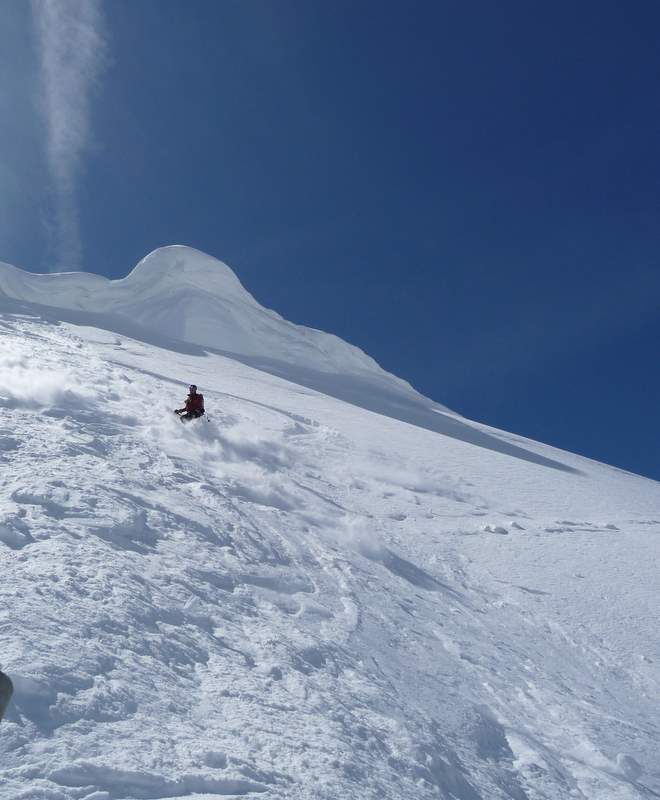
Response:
column 182, row 293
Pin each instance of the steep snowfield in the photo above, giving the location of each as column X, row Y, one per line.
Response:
column 298, row 597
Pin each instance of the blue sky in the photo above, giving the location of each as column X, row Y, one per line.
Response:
column 468, row 191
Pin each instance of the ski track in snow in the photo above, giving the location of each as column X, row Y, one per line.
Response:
column 300, row 599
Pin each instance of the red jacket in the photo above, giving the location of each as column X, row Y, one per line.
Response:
column 195, row 402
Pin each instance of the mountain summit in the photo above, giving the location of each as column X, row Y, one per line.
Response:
column 185, row 294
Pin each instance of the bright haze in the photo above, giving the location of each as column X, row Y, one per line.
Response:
column 468, row 193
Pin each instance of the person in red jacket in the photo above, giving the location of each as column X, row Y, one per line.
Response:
column 194, row 406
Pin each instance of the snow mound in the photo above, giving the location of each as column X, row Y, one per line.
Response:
column 184, row 294
column 296, row 598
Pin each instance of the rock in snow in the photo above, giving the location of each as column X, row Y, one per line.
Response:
column 304, row 595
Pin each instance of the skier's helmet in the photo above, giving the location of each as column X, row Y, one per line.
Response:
column 192, row 388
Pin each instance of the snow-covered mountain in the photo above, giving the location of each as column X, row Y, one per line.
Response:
column 330, row 588
column 182, row 293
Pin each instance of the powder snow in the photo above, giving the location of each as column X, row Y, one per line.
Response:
column 331, row 587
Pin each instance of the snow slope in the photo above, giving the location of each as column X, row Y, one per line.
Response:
column 348, row 593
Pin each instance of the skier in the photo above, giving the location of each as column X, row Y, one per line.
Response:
column 194, row 406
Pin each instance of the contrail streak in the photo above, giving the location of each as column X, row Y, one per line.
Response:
column 72, row 51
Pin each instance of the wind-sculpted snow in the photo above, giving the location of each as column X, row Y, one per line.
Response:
column 186, row 295
column 298, row 598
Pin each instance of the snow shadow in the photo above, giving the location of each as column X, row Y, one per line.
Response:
column 33, row 698
column 134, row 533
column 14, row 532
column 366, row 544
column 107, row 322
column 379, row 396
column 112, row 782
column 405, row 569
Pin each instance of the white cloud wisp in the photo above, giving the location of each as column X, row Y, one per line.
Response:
column 72, row 51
